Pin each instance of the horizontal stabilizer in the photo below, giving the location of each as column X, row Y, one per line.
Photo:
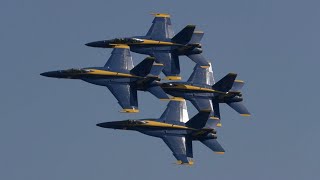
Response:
column 196, row 37
column 237, row 85
column 214, row 145
column 199, row 59
column 226, row 83
column 185, row 35
column 144, row 67
column 158, row 92
column 240, row 108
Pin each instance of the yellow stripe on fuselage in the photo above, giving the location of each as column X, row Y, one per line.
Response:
column 196, row 88
column 153, row 42
column 120, row 46
column 109, row 73
column 192, row 88
column 163, row 125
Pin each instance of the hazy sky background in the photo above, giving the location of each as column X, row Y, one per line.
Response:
column 47, row 126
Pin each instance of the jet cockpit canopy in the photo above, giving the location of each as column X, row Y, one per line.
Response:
column 126, row 40
column 75, row 71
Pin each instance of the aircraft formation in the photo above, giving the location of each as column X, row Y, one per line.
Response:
column 163, row 48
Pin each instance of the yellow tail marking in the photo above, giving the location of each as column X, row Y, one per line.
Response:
column 245, row 114
column 219, row 125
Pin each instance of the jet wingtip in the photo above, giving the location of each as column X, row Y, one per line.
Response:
column 129, row 110
column 163, row 15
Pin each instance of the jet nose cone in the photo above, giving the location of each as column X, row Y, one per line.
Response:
column 100, row 125
column 53, row 74
column 100, row 44
column 48, row 74
column 112, row 125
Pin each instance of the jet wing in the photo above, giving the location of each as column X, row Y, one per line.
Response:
column 177, row 145
column 126, row 95
column 176, row 111
column 171, row 64
column 120, row 59
column 202, row 75
column 161, row 28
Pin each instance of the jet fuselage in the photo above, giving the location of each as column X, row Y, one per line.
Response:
column 143, row 45
column 158, row 129
column 189, row 91
column 96, row 75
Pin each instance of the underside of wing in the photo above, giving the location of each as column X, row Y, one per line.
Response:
column 120, row 60
column 177, row 145
column 202, row 75
column 126, row 96
column 161, row 28
column 171, row 64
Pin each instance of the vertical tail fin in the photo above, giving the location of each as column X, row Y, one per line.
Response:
column 185, row 35
column 144, row 67
column 226, row 83
column 199, row 120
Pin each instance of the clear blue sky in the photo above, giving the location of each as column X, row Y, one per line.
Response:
column 47, row 126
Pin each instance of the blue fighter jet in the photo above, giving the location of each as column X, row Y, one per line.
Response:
column 119, row 76
column 161, row 43
column 176, row 130
column 202, row 91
